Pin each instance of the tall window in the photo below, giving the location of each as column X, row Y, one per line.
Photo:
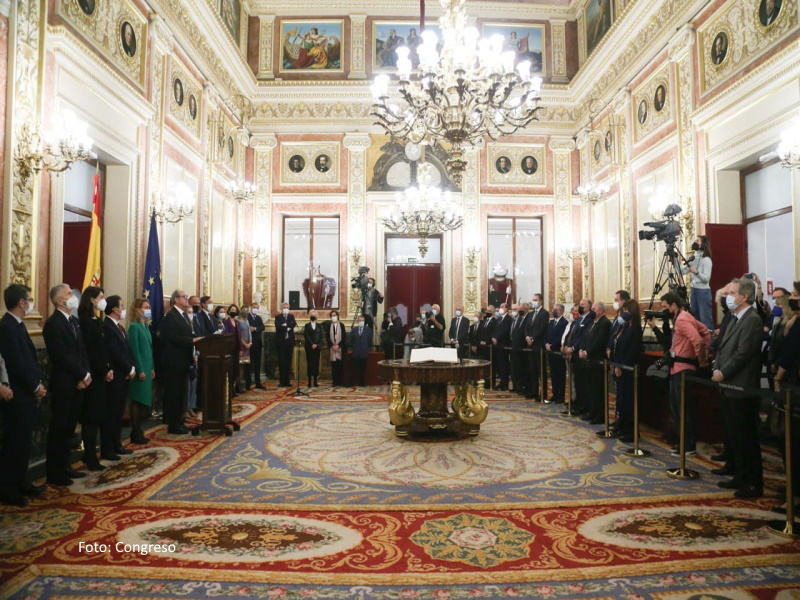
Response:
column 311, row 277
column 515, row 246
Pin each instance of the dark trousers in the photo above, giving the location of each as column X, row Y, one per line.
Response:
column 247, row 373
column 558, row 376
column 595, row 391
column 501, row 369
column 18, row 416
column 117, row 395
column 175, row 386
column 388, row 350
column 535, row 370
column 580, row 402
column 256, row 352
column 625, row 396
column 285, row 364
column 745, row 448
column 675, row 410
column 312, row 362
column 463, row 350
column 336, row 372
column 359, row 372
column 233, row 379
column 66, row 409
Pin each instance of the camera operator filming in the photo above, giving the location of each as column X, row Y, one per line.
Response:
column 370, row 297
column 700, row 266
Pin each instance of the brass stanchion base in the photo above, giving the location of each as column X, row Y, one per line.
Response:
column 686, row 474
column 784, row 529
column 605, row 435
column 635, row 452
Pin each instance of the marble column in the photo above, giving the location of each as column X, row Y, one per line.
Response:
column 356, row 144
column 263, row 144
column 562, row 149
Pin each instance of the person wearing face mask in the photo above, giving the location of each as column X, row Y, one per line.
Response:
column 413, row 340
column 739, row 364
column 372, row 297
column 474, row 333
column 360, row 341
column 458, row 334
column 257, row 349
column 20, row 389
column 95, row 411
column 516, row 356
column 535, row 337
column 336, row 334
column 69, row 376
column 395, row 333
column 285, row 325
column 204, row 321
column 626, row 347
column 229, row 325
column 581, row 327
column 501, row 337
column 700, row 266
column 122, row 363
column 245, row 345
column 593, row 348
column 141, row 386
column 434, row 327
column 312, row 338
column 485, row 350
column 552, row 343
column 620, row 298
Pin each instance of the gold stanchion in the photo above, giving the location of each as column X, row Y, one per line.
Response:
column 682, row 472
column 636, row 451
column 542, row 374
column 491, row 365
column 787, row 527
column 568, row 389
column 606, row 433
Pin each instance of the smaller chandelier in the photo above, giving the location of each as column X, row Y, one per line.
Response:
column 425, row 210
column 69, row 142
column 241, row 191
column 593, row 192
column 789, row 148
column 176, row 207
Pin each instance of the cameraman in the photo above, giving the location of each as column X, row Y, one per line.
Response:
column 700, row 266
column 433, row 327
column 371, row 297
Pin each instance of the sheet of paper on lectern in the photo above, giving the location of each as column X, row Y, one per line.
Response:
column 434, row 355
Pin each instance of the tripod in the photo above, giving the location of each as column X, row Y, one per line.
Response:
column 669, row 273
column 298, row 391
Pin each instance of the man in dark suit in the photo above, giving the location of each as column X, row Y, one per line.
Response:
column 485, row 340
column 739, row 363
column 593, row 348
column 204, row 321
column 20, row 388
column 558, row 368
column 458, row 334
column 285, row 324
column 535, row 337
column 372, row 297
column 360, row 340
column 501, row 337
column 177, row 344
column 517, row 358
column 571, row 350
column 475, row 334
column 69, row 376
column 620, row 298
column 122, row 363
column 257, row 349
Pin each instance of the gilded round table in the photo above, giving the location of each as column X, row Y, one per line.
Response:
column 434, row 419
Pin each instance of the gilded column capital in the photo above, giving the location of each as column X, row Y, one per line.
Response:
column 263, row 141
column 160, row 34
column 622, row 99
column 357, row 141
column 681, row 42
column 266, row 35
column 561, row 145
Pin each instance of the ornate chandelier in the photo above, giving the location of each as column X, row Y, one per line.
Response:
column 593, row 192
column 69, row 142
column 175, row 207
column 789, row 149
column 424, row 210
column 467, row 89
column 241, row 191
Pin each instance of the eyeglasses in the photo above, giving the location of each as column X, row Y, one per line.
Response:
column 184, row 296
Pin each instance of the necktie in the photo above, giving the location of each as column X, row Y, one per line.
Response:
column 186, row 318
column 74, row 329
column 121, row 330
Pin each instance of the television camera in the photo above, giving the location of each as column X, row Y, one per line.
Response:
column 670, row 274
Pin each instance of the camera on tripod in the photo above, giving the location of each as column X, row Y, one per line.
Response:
column 667, row 230
column 360, row 281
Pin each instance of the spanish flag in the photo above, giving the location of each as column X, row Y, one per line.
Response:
column 92, row 276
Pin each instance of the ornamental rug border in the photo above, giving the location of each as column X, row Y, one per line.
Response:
column 689, row 573
column 245, row 462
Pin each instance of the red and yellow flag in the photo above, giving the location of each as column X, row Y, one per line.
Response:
column 92, row 276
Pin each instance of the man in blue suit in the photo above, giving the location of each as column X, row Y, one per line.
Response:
column 558, row 368
column 360, row 338
column 20, row 388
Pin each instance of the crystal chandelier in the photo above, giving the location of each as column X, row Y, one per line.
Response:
column 789, row 148
column 176, row 207
column 241, row 191
column 593, row 192
column 424, row 210
column 467, row 89
column 68, row 143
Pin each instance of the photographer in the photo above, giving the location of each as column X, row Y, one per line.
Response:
column 700, row 266
column 391, row 333
column 372, row 297
column 433, row 327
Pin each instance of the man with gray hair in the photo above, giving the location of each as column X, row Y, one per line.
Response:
column 738, row 363
column 593, row 348
column 558, row 368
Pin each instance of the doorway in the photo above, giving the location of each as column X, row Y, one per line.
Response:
column 413, row 282
column 78, row 195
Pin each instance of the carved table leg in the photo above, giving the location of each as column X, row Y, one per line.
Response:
column 401, row 413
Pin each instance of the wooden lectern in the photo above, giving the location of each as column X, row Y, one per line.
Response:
column 216, row 361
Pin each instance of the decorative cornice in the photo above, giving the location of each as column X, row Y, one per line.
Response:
column 557, row 144
column 681, row 42
column 264, row 141
column 357, row 141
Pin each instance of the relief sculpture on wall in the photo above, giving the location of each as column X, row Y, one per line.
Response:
column 396, row 168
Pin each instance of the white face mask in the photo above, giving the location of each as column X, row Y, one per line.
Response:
column 501, row 312
column 148, row 314
column 616, row 305
column 475, row 319
column 222, row 314
column 101, row 305
column 254, row 312
column 535, row 304
column 29, row 308
column 191, row 316
column 72, row 303
column 369, row 285
column 334, row 318
column 123, row 314
column 210, row 307
column 514, row 313
column 422, row 316
column 361, row 324
column 731, row 302
column 458, row 313
column 285, row 311
column 434, row 312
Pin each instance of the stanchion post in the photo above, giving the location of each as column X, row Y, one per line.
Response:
column 682, row 472
column 606, row 433
column 787, row 527
column 636, row 451
column 542, row 374
column 568, row 388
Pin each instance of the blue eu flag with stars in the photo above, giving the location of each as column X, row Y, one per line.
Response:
column 153, row 288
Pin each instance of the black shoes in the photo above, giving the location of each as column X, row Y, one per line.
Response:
column 749, row 491
column 109, row 456
column 123, row 451
column 260, row 387
column 13, row 500
column 722, row 471
column 137, row 437
column 33, row 490
column 73, row 474
column 60, row 480
column 718, row 457
column 730, row 484
column 179, row 430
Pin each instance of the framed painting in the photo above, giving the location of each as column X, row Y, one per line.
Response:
column 598, row 17
column 312, row 46
column 388, row 36
column 231, row 13
column 524, row 39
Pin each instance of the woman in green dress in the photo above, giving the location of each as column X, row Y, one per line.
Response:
column 141, row 387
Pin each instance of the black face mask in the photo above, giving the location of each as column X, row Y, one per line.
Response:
column 695, row 246
column 592, row 315
column 233, row 314
column 196, row 308
column 313, row 318
column 581, row 310
column 794, row 304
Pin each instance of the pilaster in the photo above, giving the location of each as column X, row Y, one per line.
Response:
column 266, row 34
column 358, row 45
column 623, row 141
column 558, row 33
column 263, row 144
column 562, row 149
column 356, row 144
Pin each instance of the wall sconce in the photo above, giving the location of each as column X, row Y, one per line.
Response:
column 242, row 191
column 575, row 253
column 789, row 148
column 70, row 142
column 176, row 207
column 592, row 192
column 253, row 252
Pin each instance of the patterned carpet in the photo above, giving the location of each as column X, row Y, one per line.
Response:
column 317, row 498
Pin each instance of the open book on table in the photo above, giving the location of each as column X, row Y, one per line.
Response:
column 447, row 356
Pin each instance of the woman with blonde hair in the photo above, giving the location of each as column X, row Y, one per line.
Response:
column 141, row 386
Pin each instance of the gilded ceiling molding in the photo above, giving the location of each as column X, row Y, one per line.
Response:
column 21, row 213
column 562, row 149
column 266, row 33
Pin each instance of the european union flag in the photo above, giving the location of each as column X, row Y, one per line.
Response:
column 153, row 288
